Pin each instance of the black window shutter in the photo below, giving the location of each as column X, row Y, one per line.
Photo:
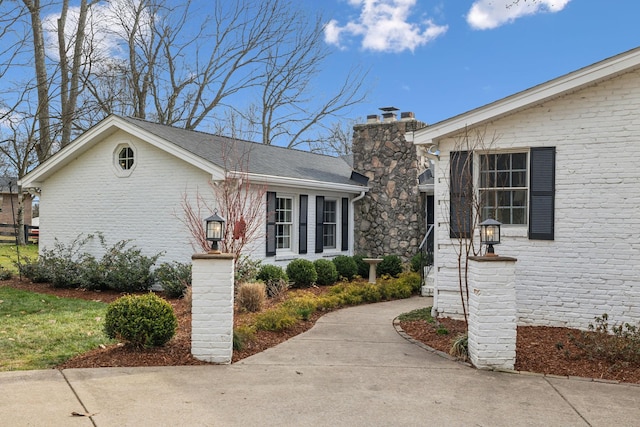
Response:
column 345, row 224
column 302, row 227
column 542, row 193
column 460, row 194
column 319, row 223
column 271, row 223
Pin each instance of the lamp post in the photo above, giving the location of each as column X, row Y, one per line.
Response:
column 490, row 234
column 214, row 226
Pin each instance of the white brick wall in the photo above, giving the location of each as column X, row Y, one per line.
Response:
column 90, row 195
column 212, row 308
column 492, row 313
column 593, row 265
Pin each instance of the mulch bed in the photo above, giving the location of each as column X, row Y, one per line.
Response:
column 539, row 349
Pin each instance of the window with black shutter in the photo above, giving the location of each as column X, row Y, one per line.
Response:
column 460, row 194
column 542, row 193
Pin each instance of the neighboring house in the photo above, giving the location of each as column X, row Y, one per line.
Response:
column 9, row 201
column 126, row 178
column 558, row 166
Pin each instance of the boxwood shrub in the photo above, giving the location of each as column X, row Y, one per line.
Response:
column 326, row 271
column 346, row 267
column 391, row 265
column 141, row 320
column 302, row 273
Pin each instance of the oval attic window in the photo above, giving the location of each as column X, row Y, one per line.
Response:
column 125, row 158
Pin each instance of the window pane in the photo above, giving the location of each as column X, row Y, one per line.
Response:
column 519, row 179
column 329, row 236
column 519, row 198
column 284, row 216
column 503, row 173
column 519, row 216
column 503, row 162
column 503, row 180
column 519, row 161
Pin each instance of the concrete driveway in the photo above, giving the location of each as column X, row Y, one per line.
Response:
column 351, row 369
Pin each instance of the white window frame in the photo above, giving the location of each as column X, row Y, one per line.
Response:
column 333, row 224
column 493, row 212
column 119, row 169
column 289, row 224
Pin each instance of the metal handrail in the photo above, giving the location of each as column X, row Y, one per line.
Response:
column 426, row 236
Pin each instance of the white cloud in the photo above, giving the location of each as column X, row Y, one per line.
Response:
column 384, row 26
column 489, row 14
column 105, row 31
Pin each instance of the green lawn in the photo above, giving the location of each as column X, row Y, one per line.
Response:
column 9, row 254
column 39, row 331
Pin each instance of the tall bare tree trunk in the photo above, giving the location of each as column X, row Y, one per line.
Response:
column 70, row 77
column 43, row 148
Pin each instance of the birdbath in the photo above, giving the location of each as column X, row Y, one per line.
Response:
column 373, row 262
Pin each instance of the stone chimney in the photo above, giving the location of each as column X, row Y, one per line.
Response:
column 389, row 220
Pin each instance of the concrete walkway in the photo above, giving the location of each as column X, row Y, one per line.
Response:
column 351, row 369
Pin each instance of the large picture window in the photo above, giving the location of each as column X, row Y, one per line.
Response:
column 329, row 219
column 284, row 222
column 503, row 187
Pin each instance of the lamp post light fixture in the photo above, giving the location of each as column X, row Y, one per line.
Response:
column 490, row 234
column 214, row 226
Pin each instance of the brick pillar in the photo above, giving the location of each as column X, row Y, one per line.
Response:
column 492, row 312
column 212, row 307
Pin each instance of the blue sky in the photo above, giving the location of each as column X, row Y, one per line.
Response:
column 431, row 58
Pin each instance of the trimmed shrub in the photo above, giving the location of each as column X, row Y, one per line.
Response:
column 269, row 272
column 412, row 280
column 346, row 267
column 363, row 267
column 126, row 269
column 356, row 293
column 395, row 289
column 5, row 274
column 326, row 271
column 251, row 296
column 34, row 270
column 275, row 320
column 391, row 265
column 420, row 260
column 303, row 306
column 302, row 273
column 142, row 320
column 275, row 279
column 174, row 278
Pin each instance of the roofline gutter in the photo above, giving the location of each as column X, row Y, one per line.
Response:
column 301, row 183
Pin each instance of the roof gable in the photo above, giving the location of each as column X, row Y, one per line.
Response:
column 592, row 74
column 213, row 154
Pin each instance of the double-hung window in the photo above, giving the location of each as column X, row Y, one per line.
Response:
column 504, row 187
column 329, row 219
column 284, row 222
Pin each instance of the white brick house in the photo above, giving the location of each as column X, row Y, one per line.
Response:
column 565, row 154
column 126, row 178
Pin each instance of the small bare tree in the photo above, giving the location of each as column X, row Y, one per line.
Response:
column 235, row 198
column 465, row 204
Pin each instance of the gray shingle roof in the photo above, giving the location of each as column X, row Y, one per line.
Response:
column 261, row 159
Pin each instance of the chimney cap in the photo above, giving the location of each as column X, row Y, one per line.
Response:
column 388, row 109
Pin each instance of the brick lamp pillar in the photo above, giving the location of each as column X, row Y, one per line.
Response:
column 492, row 312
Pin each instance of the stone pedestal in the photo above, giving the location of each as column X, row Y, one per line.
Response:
column 373, row 262
column 212, row 307
column 492, row 312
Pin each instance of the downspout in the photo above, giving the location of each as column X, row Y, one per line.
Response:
column 352, row 220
